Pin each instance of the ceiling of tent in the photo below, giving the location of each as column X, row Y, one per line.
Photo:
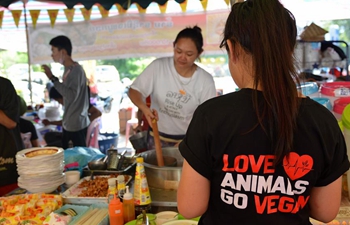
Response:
column 107, row 4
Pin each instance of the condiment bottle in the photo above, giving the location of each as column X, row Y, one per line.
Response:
column 115, row 211
column 128, row 206
column 141, row 191
column 121, row 186
column 112, row 189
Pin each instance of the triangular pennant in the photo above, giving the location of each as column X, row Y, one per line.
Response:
column 162, row 8
column 69, row 14
column 204, row 4
column 16, row 14
column 86, row 13
column 104, row 13
column 53, row 15
column 121, row 10
column 227, row 2
column 34, row 14
column 183, row 6
column 1, row 18
column 141, row 10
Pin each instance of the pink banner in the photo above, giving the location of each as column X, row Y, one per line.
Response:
column 128, row 35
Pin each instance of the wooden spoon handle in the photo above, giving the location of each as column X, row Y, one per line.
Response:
column 157, row 144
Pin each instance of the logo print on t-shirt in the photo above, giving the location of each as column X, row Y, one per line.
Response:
column 297, row 166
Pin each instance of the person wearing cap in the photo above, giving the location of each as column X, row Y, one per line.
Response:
column 73, row 88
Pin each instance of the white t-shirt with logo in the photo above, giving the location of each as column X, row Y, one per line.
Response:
column 173, row 96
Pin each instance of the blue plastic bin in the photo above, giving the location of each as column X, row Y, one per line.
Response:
column 107, row 140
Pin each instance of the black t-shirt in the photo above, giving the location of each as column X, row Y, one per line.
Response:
column 10, row 139
column 221, row 145
column 27, row 126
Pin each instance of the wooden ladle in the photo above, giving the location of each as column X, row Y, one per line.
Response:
column 157, row 144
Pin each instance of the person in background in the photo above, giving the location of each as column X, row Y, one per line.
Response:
column 54, row 138
column 74, row 91
column 264, row 154
column 10, row 137
column 176, row 86
column 27, row 126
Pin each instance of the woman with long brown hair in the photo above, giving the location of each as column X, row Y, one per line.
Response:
column 264, row 154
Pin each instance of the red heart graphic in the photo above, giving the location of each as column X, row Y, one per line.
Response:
column 297, row 166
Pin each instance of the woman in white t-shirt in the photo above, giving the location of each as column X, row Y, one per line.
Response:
column 176, row 86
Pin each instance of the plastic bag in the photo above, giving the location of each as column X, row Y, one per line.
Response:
column 78, row 157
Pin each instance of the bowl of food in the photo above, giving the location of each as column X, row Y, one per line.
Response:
column 166, row 216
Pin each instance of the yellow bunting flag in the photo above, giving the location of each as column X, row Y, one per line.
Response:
column 69, row 14
column 204, row 4
column 162, row 8
column 86, row 13
column 53, row 15
column 227, row 2
column 141, row 10
column 1, row 18
column 16, row 14
column 121, row 10
column 104, row 13
column 34, row 13
column 183, row 6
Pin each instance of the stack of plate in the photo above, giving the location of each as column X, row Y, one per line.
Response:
column 40, row 169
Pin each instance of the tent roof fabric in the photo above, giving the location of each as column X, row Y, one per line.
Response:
column 107, row 4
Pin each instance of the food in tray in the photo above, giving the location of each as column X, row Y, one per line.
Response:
column 40, row 152
column 28, row 208
column 97, row 187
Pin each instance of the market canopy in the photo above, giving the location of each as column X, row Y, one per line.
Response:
column 107, row 4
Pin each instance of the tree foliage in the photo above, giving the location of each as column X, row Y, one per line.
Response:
column 344, row 28
column 130, row 67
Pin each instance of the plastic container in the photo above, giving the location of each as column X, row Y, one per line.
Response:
column 72, row 177
column 346, row 132
column 339, row 106
column 121, row 186
column 112, row 189
column 308, row 88
column 107, row 140
column 115, row 211
column 166, row 216
column 128, row 206
column 335, row 90
column 324, row 101
column 141, row 190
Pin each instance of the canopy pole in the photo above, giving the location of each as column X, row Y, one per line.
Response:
column 28, row 51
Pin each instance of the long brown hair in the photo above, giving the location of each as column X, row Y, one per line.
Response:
column 267, row 31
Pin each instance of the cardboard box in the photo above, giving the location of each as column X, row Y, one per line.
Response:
column 124, row 116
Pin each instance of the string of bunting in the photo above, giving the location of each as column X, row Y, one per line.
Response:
column 69, row 13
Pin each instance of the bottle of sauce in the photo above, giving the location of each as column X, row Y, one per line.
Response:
column 128, row 206
column 141, row 191
column 115, row 211
column 121, row 186
column 112, row 189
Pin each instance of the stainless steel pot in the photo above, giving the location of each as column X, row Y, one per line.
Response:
column 166, row 177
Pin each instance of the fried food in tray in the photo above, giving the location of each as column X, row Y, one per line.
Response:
column 88, row 191
column 98, row 187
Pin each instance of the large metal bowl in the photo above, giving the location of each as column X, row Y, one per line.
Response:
column 166, row 177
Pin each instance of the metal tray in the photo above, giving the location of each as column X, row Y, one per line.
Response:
column 70, row 196
column 127, row 168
